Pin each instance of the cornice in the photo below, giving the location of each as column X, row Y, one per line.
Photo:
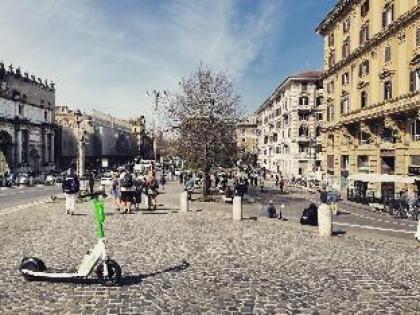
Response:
column 334, row 14
column 379, row 37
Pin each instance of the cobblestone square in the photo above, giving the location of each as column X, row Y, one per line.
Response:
column 204, row 262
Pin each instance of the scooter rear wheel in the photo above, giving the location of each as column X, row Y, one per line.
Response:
column 114, row 272
column 31, row 264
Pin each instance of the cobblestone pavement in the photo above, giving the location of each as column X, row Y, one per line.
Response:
column 204, row 262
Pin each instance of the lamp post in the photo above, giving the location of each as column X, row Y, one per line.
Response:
column 80, row 146
column 157, row 95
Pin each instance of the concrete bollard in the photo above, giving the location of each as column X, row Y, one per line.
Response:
column 183, row 202
column 237, row 208
column 324, row 220
column 418, row 231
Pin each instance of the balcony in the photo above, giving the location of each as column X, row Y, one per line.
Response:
column 400, row 104
column 301, row 156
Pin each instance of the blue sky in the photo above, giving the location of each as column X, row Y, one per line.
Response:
column 105, row 54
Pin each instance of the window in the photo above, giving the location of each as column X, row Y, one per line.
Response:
column 304, row 86
column 331, row 40
column 363, row 99
column 345, row 162
column 387, row 135
column 415, row 80
column 330, row 87
column 331, row 140
column 387, row 90
column 303, row 148
column 21, row 109
column 364, row 68
column 303, row 101
column 346, row 25
column 330, row 112
column 45, row 115
column 346, row 48
column 364, row 9
column 318, row 116
column 388, row 54
column 364, row 34
column 303, row 131
column 345, row 105
column 415, row 130
column 331, row 59
column 363, row 163
column 318, row 131
column 363, row 137
column 345, row 78
column 388, row 15
column 319, row 101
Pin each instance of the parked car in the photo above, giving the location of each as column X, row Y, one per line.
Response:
column 22, row 179
column 106, row 179
column 50, row 180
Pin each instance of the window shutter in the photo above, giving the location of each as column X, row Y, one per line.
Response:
column 383, row 19
column 367, row 66
column 392, row 12
column 412, row 81
column 418, row 37
column 360, row 70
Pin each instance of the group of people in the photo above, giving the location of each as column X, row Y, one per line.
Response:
column 127, row 189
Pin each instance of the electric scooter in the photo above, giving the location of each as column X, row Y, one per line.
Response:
column 107, row 270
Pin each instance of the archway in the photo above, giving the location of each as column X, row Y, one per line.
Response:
column 5, row 151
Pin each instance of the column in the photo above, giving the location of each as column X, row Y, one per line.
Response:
column 19, row 146
column 52, row 152
column 45, row 148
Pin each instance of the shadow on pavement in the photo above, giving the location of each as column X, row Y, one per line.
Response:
column 338, row 232
column 132, row 280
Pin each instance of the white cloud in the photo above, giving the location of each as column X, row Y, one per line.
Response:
column 108, row 59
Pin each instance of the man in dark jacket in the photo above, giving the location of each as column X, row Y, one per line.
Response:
column 71, row 186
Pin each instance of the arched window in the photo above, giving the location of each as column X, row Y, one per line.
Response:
column 363, row 99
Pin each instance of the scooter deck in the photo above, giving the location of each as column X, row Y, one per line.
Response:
column 45, row 274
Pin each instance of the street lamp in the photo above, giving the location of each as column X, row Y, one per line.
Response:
column 157, row 96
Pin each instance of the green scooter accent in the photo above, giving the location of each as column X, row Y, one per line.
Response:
column 99, row 208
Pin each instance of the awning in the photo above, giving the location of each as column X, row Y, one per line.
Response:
column 384, row 178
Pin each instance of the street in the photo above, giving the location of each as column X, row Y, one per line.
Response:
column 24, row 196
column 202, row 261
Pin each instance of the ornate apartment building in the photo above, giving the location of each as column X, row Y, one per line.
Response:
column 372, row 82
column 246, row 134
column 289, row 126
column 27, row 129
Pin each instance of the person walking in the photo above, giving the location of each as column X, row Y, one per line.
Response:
column 138, row 184
column 281, row 183
column 152, row 187
column 91, row 183
column 162, row 181
column 115, row 191
column 71, row 186
column 127, row 190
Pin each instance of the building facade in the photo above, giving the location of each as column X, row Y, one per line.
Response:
column 246, row 134
column 106, row 141
column 289, row 127
column 27, row 129
column 372, row 83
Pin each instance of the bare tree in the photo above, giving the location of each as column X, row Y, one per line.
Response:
column 205, row 111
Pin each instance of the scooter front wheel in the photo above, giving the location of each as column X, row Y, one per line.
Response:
column 114, row 272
